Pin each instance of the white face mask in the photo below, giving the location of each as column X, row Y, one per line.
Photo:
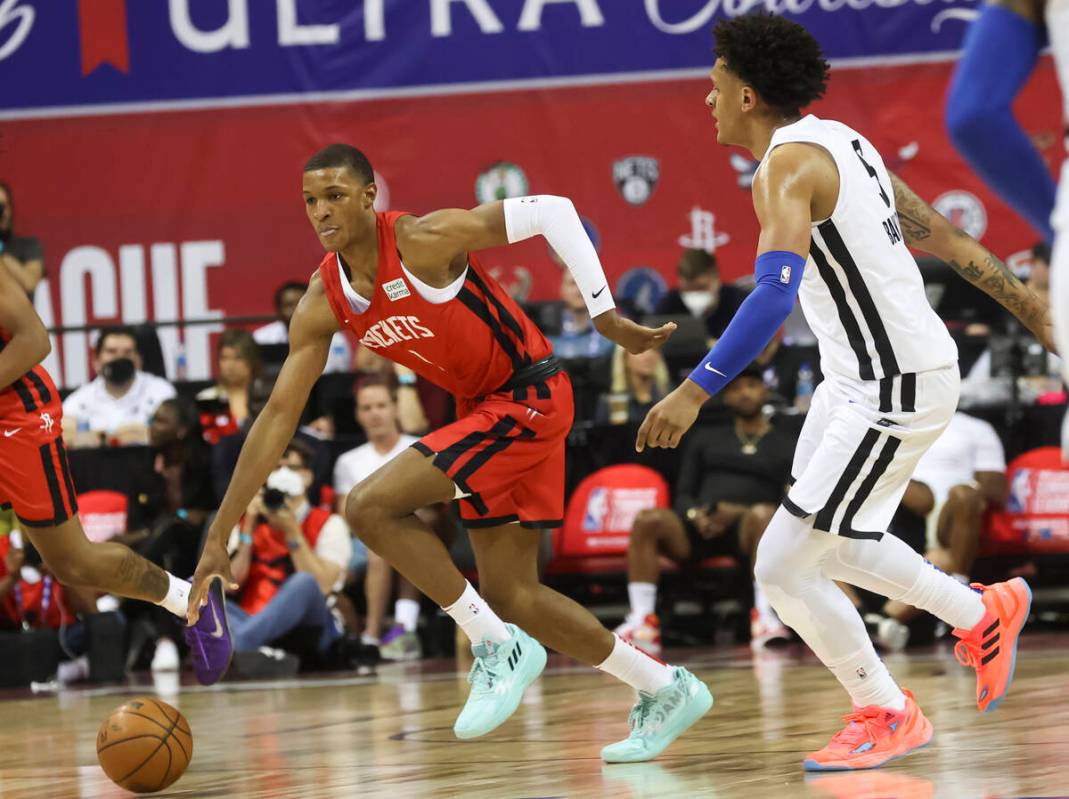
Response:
column 697, row 302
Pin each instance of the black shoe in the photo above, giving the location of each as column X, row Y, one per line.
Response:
column 264, row 663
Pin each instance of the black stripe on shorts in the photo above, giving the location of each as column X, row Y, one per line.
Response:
column 475, row 524
column 909, row 392
column 499, row 431
column 59, row 509
column 65, row 466
column 864, row 491
column 543, row 524
column 826, row 515
column 25, row 394
column 42, row 389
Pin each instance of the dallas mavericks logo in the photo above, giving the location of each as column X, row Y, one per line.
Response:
column 636, row 177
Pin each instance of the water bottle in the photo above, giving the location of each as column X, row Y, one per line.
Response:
column 803, row 392
column 180, row 363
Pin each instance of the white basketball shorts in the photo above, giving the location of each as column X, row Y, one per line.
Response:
column 860, row 444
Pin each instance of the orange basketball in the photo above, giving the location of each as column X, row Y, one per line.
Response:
column 145, row 745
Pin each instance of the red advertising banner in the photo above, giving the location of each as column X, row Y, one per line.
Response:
column 194, row 214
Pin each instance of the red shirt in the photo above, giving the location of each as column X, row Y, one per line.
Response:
column 469, row 345
column 271, row 563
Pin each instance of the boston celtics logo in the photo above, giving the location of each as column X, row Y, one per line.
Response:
column 500, row 181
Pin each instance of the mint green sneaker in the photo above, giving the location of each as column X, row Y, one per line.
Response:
column 660, row 718
column 498, row 677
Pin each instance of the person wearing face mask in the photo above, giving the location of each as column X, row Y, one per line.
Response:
column 21, row 255
column 288, row 558
column 119, row 402
column 701, row 294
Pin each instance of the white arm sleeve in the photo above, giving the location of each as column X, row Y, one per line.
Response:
column 556, row 219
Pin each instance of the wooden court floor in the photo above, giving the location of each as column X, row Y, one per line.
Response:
column 391, row 735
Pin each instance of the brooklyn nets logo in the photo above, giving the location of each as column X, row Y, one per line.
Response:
column 636, row 177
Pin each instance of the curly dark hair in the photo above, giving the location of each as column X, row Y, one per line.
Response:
column 780, row 59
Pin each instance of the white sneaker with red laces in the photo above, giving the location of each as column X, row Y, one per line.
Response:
column 642, row 633
column 766, row 629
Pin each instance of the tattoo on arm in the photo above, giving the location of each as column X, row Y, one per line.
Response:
column 914, row 214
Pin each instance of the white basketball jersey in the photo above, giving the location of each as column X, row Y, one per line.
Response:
column 862, row 292
column 1057, row 19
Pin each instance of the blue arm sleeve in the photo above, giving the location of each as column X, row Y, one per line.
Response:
column 779, row 274
column 1000, row 52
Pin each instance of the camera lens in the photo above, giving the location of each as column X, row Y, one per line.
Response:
column 273, row 499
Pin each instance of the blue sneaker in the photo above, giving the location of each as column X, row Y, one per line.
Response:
column 498, row 677
column 210, row 645
column 660, row 718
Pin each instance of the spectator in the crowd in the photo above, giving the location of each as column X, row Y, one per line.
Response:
column 638, row 382
column 377, row 413
column 732, row 478
column 1037, row 371
column 288, row 558
column 31, row 598
column 578, row 338
column 287, row 296
column 224, row 407
column 23, row 256
column 118, row 403
column 421, row 405
column 960, row 476
column 172, row 503
column 701, row 294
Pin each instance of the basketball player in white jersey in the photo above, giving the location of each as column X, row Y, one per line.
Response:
column 834, row 231
column 1056, row 15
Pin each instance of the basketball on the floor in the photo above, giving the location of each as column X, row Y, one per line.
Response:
column 145, row 745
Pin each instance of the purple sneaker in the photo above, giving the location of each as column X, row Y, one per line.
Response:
column 210, row 644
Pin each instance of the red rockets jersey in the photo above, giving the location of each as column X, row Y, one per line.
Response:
column 469, row 342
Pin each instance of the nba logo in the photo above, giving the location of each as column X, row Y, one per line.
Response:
column 784, row 274
column 597, row 508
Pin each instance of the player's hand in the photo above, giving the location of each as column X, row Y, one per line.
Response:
column 670, row 418
column 632, row 336
column 214, row 562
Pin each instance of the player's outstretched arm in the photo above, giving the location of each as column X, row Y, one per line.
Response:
column 443, row 235
column 29, row 344
column 782, row 193
column 927, row 230
column 311, row 330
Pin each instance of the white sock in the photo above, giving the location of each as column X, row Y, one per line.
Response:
column 641, row 671
column 476, row 618
column 406, row 613
column 177, row 599
column 866, row 679
column 369, row 640
column 643, row 598
column 891, row 568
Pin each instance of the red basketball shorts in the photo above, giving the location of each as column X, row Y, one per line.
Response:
column 35, row 478
column 507, row 455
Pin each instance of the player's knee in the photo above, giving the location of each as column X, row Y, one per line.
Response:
column 70, row 570
column 965, row 499
column 771, row 570
column 648, row 524
column 365, row 513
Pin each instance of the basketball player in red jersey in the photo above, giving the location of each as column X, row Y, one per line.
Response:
column 411, row 289
column 35, row 482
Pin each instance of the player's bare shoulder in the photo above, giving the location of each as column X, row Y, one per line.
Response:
column 314, row 318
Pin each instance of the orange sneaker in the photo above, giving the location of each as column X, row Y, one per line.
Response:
column 991, row 646
column 872, row 736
